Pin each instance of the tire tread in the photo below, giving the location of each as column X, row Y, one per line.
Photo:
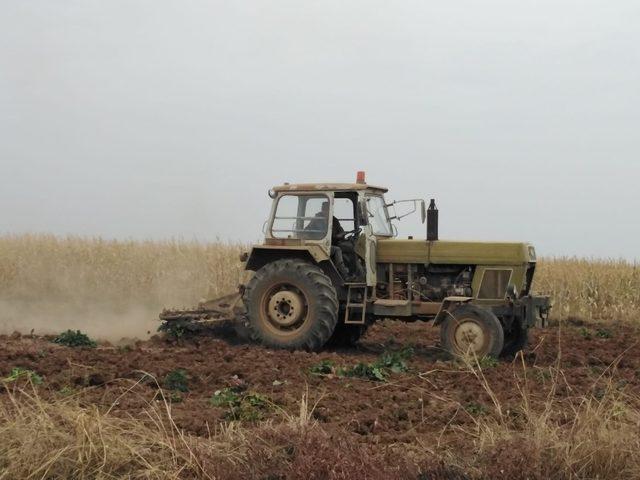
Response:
column 326, row 312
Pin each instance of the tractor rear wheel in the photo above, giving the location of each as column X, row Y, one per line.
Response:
column 472, row 330
column 291, row 304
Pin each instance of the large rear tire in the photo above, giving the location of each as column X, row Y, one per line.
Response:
column 472, row 330
column 291, row 304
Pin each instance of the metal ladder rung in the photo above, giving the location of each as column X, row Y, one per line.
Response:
column 363, row 306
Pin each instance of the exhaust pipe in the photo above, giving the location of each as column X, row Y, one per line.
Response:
column 432, row 221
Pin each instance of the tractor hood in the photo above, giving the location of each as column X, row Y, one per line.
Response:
column 452, row 252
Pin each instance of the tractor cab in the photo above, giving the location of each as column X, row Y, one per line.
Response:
column 343, row 221
column 304, row 213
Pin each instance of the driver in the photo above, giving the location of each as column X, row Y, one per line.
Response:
column 319, row 224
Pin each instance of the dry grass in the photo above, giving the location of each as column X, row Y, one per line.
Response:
column 108, row 288
column 61, row 439
column 77, row 270
column 586, row 437
column 582, row 437
column 591, row 289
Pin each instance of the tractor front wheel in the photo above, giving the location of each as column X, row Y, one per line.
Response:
column 291, row 304
column 472, row 330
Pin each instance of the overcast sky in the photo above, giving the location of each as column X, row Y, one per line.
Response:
column 158, row 119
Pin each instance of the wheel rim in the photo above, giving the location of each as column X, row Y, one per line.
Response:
column 284, row 308
column 469, row 336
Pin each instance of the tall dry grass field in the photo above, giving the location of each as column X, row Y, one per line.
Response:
column 116, row 288
column 591, row 289
column 110, row 289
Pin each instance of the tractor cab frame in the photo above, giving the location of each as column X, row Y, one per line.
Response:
column 360, row 210
column 308, row 215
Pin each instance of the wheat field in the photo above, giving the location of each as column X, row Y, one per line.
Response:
column 115, row 289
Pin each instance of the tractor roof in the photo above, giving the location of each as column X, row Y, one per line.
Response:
column 327, row 187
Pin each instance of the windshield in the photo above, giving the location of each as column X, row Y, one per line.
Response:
column 378, row 217
column 301, row 216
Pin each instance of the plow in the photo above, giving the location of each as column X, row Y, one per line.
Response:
column 331, row 264
column 227, row 309
column 218, row 310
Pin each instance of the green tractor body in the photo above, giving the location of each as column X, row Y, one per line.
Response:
column 331, row 264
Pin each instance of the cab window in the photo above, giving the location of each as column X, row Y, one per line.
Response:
column 378, row 217
column 301, row 216
column 344, row 211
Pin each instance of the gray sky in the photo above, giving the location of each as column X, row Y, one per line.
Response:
column 156, row 119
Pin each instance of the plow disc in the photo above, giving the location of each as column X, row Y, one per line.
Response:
column 207, row 314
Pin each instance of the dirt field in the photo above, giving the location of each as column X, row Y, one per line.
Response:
column 425, row 421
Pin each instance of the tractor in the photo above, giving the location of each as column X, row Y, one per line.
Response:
column 332, row 263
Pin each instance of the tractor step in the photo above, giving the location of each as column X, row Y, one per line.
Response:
column 360, row 318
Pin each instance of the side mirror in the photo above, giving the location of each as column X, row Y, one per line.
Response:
column 414, row 207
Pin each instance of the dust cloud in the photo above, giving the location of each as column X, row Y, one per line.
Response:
column 49, row 318
column 109, row 289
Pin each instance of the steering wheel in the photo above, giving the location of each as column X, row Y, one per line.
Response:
column 350, row 235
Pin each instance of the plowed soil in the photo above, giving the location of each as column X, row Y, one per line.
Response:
column 430, row 404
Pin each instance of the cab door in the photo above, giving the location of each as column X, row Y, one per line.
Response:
column 368, row 243
column 370, row 256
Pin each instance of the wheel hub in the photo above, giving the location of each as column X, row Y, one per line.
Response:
column 469, row 336
column 286, row 308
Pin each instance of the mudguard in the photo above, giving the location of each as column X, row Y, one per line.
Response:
column 263, row 254
column 445, row 308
